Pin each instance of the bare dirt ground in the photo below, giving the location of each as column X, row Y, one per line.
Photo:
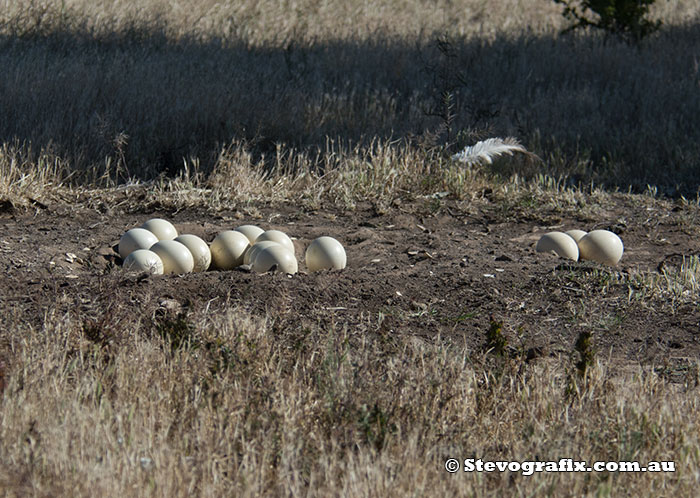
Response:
column 423, row 268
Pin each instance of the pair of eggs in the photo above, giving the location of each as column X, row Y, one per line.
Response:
column 601, row 246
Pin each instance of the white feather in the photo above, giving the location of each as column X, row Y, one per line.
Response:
column 486, row 150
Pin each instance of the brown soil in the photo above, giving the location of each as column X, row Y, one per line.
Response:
column 428, row 273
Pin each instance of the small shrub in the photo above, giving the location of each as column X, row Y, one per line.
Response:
column 586, row 353
column 376, row 424
column 626, row 19
column 221, row 357
column 495, row 340
column 179, row 333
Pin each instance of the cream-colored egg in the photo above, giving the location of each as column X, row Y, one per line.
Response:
column 276, row 236
column 277, row 257
column 144, row 260
column 199, row 249
column 161, row 228
column 249, row 256
column 560, row 243
column 175, row 256
column 250, row 231
column 325, row 253
column 134, row 239
column 228, row 248
column 601, row 246
column 576, row 234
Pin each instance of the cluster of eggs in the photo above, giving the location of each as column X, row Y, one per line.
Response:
column 156, row 246
column 601, row 246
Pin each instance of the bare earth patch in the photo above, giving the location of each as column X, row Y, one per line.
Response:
column 429, row 272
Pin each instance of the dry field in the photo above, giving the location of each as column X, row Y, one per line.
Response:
column 446, row 336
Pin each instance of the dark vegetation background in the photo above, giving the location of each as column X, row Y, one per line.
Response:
column 141, row 96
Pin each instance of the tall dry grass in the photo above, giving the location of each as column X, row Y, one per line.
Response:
column 214, row 404
column 130, row 90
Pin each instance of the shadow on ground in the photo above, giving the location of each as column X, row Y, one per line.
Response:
column 598, row 111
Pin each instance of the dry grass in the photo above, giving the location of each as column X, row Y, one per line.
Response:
column 127, row 91
column 673, row 286
column 26, row 177
column 169, row 105
column 223, row 403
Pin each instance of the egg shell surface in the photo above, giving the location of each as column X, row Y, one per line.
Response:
column 279, row 237
column 560, row 243
column 576, row 234
column 325, row 253
column 161, row 228
column 144, row 260
column 199, row 249
column 250, row 231
column 134, row 239
column 601, row 246
column 278, row 256
column 228, row 248
column 175, row 256
column 251, row 253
